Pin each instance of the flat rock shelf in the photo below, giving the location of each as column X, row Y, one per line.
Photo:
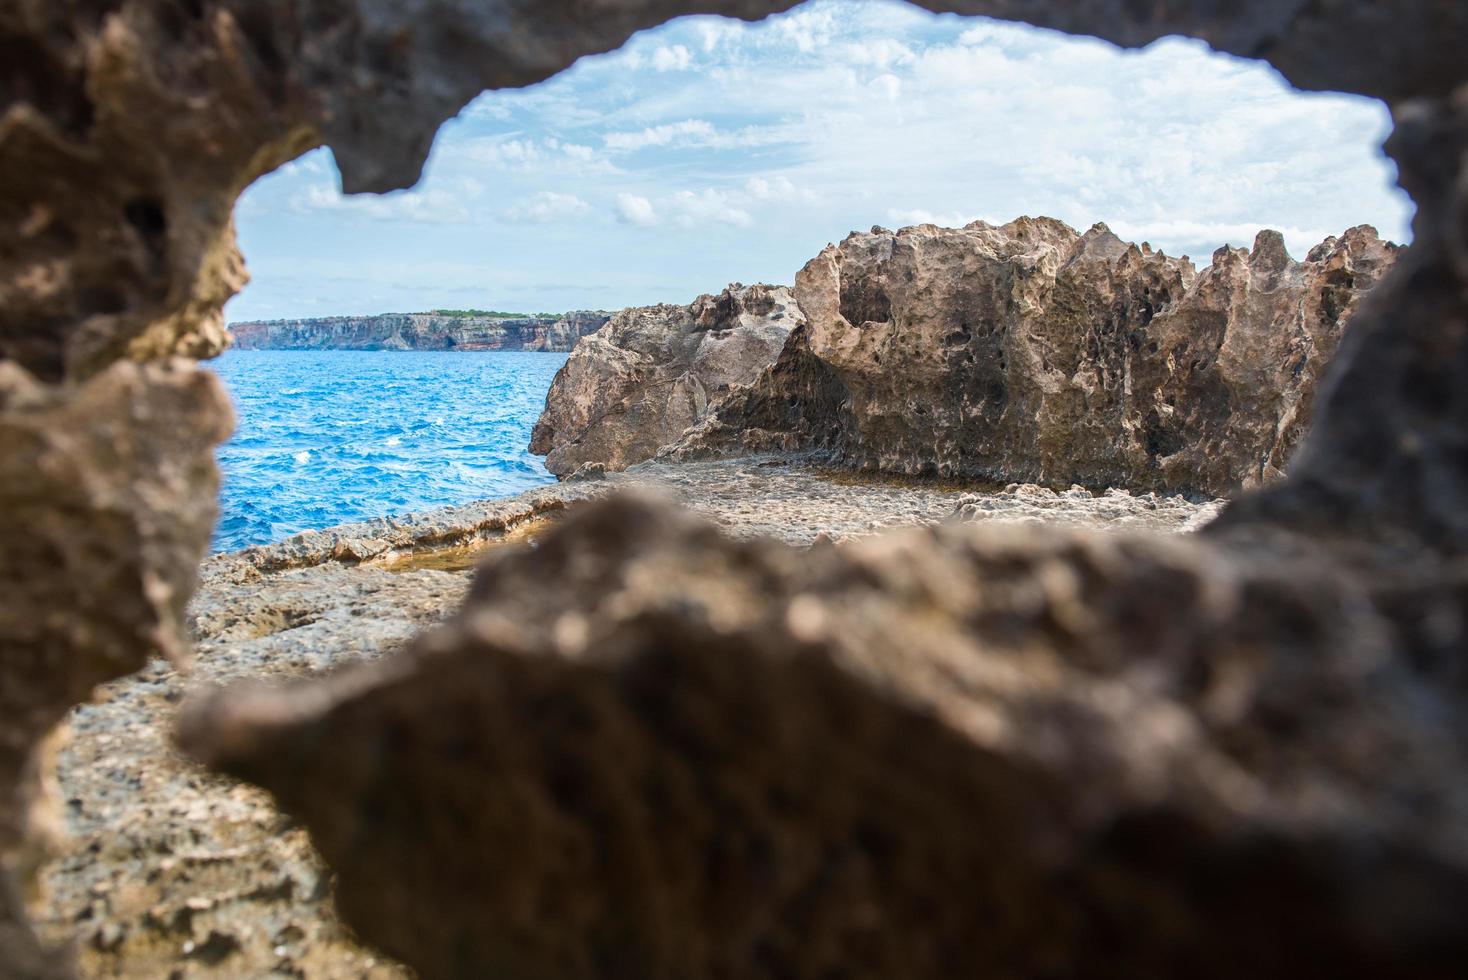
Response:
column 169, row 870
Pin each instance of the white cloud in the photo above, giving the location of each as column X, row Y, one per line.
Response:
column 808, row 28
column 750, row 146
column 545, row 207
column 576, row 151
column 713, row 31
column 699, row 133
column 487, row 106
column 632, row 209
column 946, row 219
column 675, row 58
column 689, row 130
column 886, row 86
column 687, row 209
column 692, row 209
column 881, row 53
column 778, row 189
column 436, row 206
column 531, row 155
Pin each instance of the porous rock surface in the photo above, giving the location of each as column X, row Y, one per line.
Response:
column 419, row 331
column 165, row 869
column 636, row 384
column 106, row 504
column 168, row 870
column 928, row 753
column 128, row 127
column 1029, row 352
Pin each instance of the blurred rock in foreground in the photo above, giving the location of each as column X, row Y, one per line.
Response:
column 646, row 749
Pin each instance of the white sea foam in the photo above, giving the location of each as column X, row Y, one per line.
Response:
column 372, row 435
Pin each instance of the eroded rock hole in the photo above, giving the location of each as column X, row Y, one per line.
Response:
column 865, row 301
column 147, row 217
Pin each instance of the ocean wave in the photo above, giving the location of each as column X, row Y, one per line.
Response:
column 427, row 430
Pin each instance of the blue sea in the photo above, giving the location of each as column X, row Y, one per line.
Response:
column 331, row 437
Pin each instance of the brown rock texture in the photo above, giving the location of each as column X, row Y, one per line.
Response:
column 1387, row 458
column 107, row 499
column 1029, row 352
column 127, row 129
column 419, row 331
column 941, row 752
column 635, row 385
column 190, row 872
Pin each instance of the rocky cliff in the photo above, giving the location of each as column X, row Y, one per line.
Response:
column 1032, row 352
column 635, row 385
column 419, row 331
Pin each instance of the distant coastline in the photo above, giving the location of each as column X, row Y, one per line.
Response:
column 459, row 330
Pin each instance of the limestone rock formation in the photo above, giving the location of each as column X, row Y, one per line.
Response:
column 651, row 372
column 247, row 896
column 419, row 331
column 87, row 600
column 128, row 128
column 647, row 750
column 1387, row 457
column 1031, row 353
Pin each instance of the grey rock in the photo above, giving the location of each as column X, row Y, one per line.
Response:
column 159, row 853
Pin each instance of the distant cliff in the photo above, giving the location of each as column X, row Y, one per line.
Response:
column 420, row 331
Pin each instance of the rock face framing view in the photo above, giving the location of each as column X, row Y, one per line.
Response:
column 715, row 726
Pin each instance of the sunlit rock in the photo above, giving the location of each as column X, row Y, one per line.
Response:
column 1029, row 352
column 107, row 501
column 420, row 331
column 635, row 385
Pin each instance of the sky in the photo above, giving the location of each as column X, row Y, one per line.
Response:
column 710, row 151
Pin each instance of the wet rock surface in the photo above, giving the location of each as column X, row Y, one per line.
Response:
column 635, row 385
column 167, row 867
column 1032, row 353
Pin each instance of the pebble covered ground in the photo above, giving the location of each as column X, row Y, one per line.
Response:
column 169, row 871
